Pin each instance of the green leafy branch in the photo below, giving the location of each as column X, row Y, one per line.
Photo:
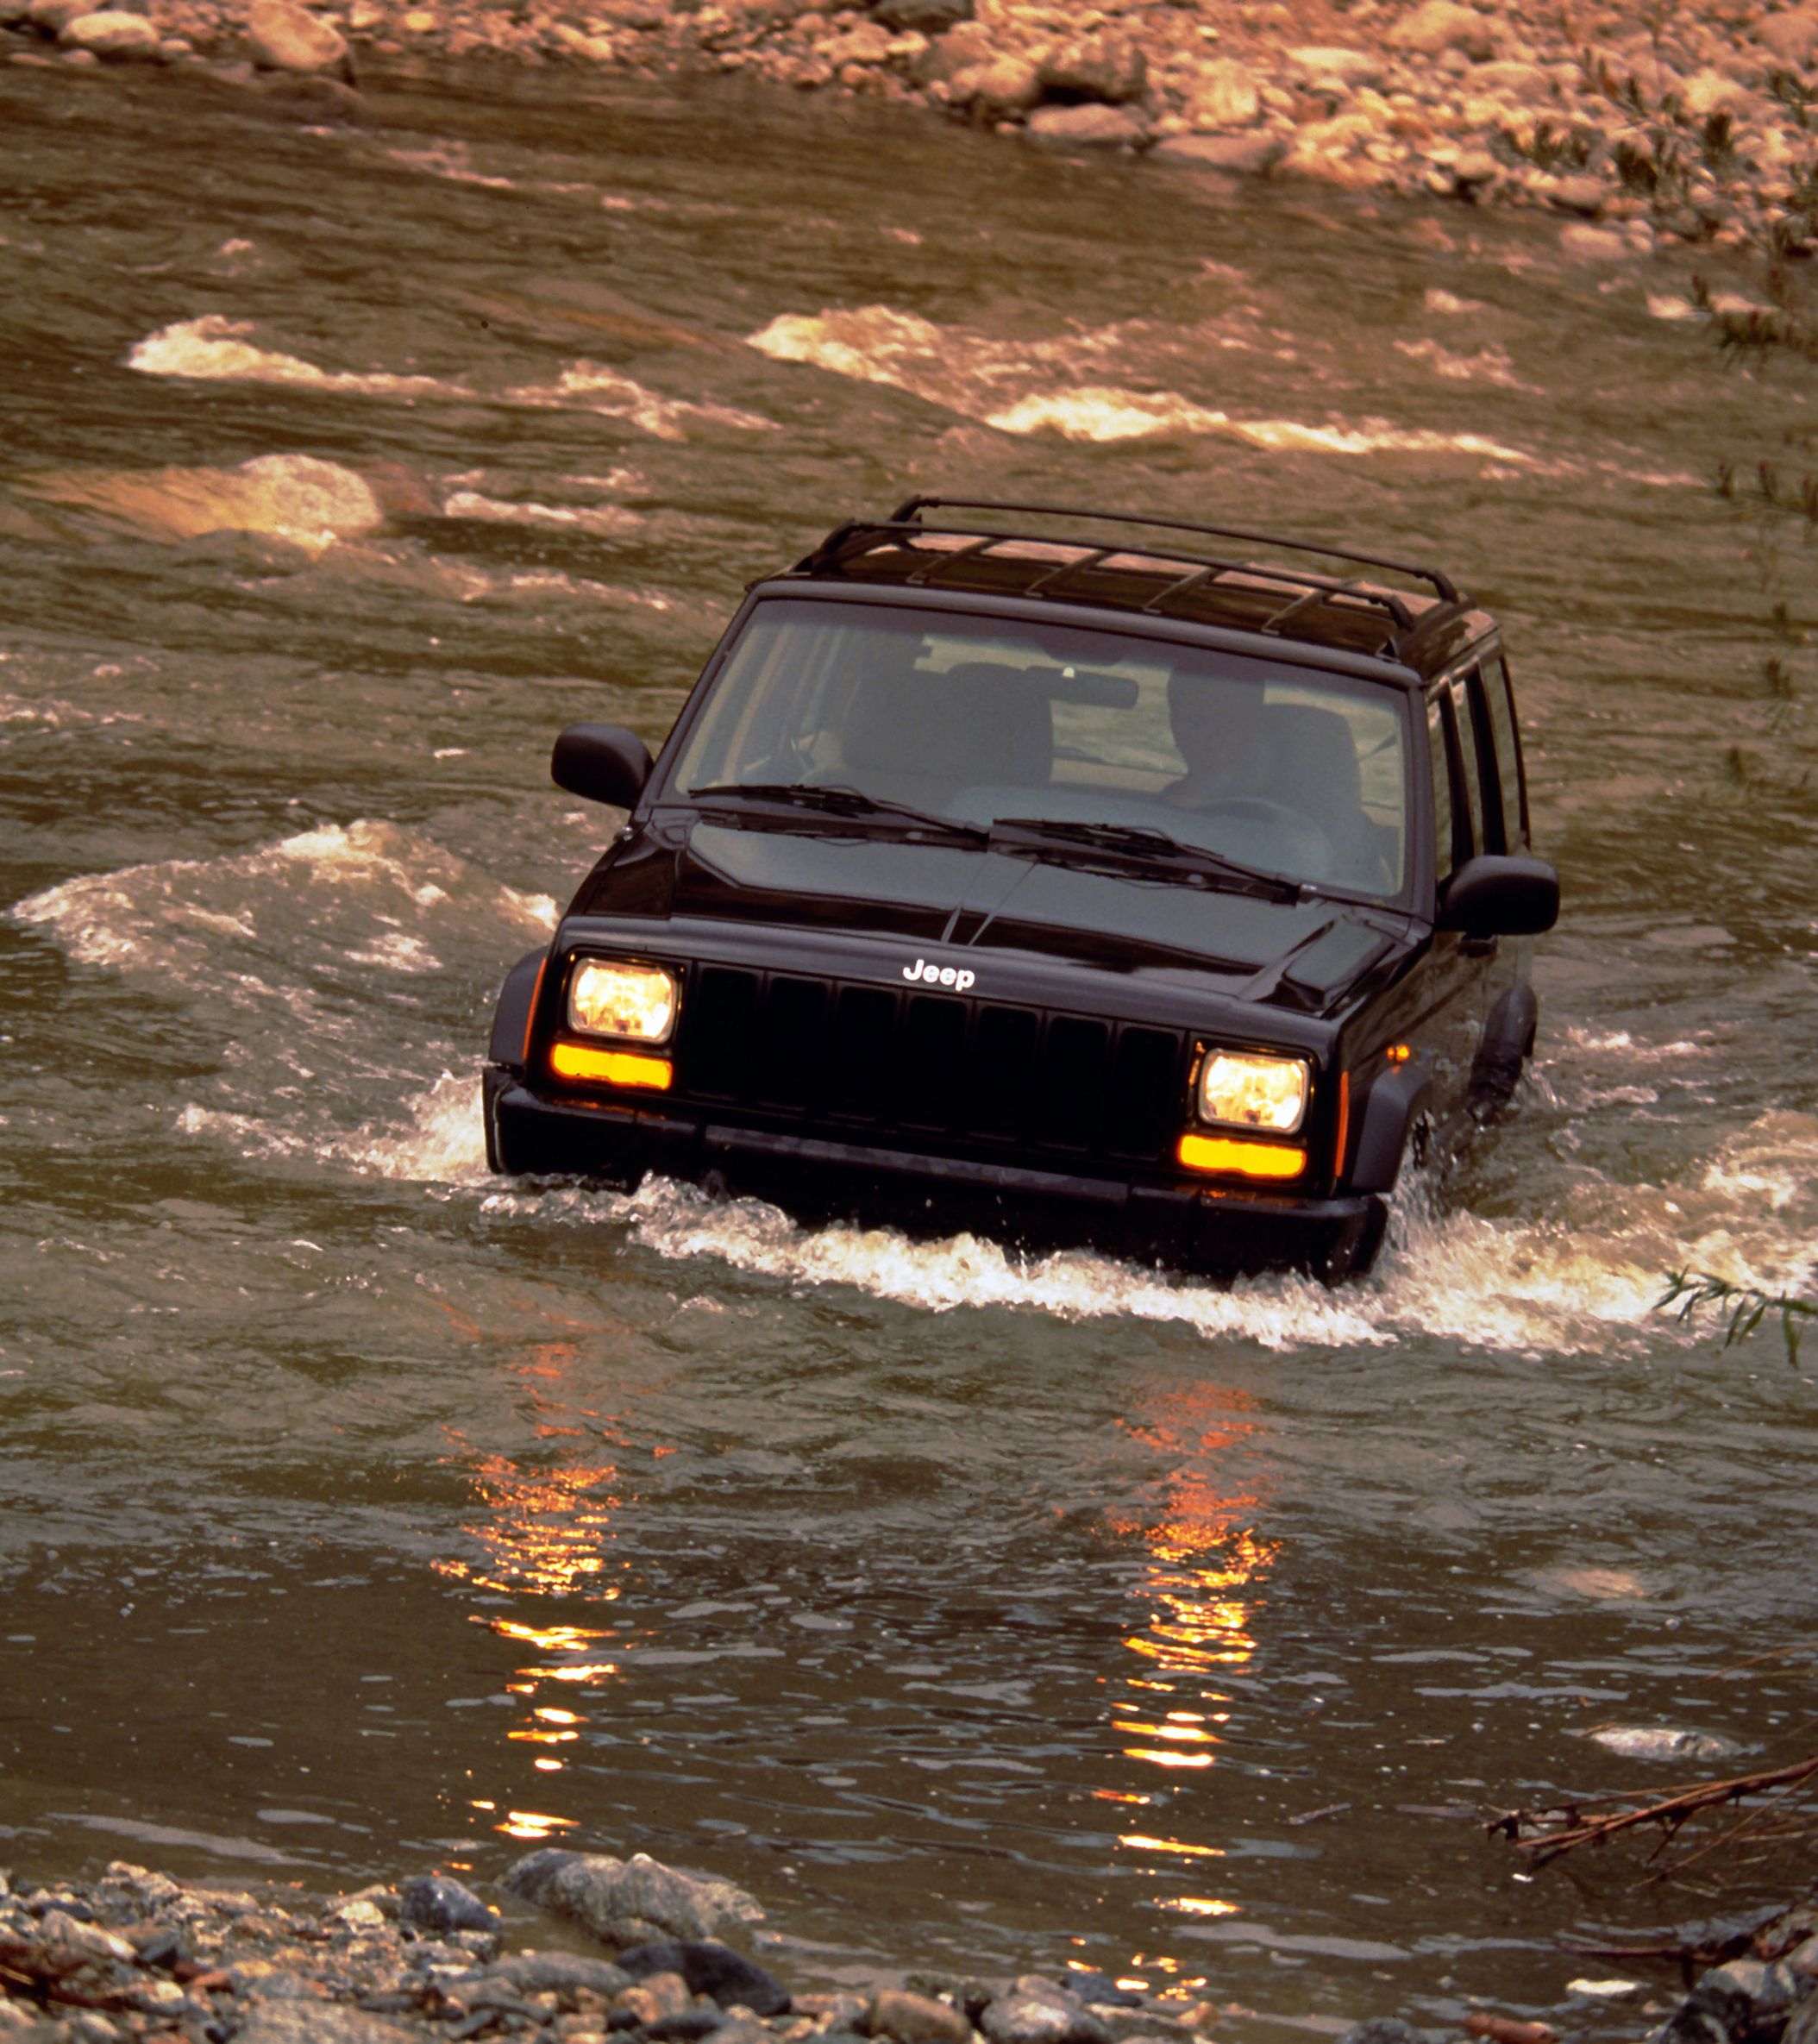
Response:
column 1745, row 1307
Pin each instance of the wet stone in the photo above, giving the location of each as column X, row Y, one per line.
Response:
column 685, row 2027
column 916, row 2019
column 710, row 1969
column 318, row 2022
column 566, row 1974
column 628, row 1902
column 437, row 1902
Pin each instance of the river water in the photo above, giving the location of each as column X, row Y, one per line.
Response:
column 366, row 1513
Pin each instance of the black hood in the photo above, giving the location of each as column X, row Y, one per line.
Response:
column 1304, row 955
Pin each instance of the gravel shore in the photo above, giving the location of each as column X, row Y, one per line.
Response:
column 137, row 1955
column 1632, row 122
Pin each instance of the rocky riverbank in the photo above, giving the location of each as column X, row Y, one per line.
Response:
column 137, row 1955
column 1628, row 120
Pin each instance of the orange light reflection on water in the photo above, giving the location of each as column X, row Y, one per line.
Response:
column 543, row 1528
column 1206, row 1566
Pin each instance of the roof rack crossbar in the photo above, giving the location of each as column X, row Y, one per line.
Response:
column 1313, row 598
column 923, row 575
column 1042, row 584
column 1181, row 586
column 910, row 512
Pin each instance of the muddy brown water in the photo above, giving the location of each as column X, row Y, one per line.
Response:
column 364, row 1514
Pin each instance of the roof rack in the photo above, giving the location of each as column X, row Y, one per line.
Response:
column 1307, row 589
column 912, row 507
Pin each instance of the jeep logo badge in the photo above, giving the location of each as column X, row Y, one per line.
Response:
column 957, row 977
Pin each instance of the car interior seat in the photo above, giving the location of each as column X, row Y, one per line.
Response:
column 921, row 737
column 1312, row 768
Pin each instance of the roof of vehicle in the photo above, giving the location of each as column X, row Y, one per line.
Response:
column 1065, row 560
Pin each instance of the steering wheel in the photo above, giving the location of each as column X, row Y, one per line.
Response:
column 1312, row 844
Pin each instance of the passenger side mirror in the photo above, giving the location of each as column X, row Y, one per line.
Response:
column 601, row 762
column 1499, row 894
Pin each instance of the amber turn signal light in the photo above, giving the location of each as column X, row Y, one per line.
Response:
column 609, row 1068
column 1247, row 1160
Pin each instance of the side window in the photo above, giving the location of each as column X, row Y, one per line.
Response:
column 1469, row 779
column 1442, row 827
column 1500, row 709
column 1494, row 834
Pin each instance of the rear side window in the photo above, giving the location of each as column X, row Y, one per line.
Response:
column 1499, row 714
column 1443, row 826
column 1467, row 779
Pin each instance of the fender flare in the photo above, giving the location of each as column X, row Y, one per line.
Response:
column 511, row 1018
column 1392, row 1105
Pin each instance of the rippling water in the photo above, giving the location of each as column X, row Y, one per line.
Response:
column 970, row 1609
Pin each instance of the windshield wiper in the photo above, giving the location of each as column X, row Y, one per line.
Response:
column 833, row 798
column 1140, row 844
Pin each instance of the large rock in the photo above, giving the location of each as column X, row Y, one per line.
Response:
column 1790, row 38
column 1002, row 85
column 1582, row 193
column 564, row 1974
column 906, row 2018
column 1088, row 127
column 1737, row 2004
column 1224, row 95
column 1322, row 69
column 438, row 1902
column 927, row 17
column 628, row 1902
column 1708, row 92
column 283, row 36
column 1528, row 82
column 1037, row 2011
column 1437, row 26
column 317, row 2022
column 1249, row 155
column 726, row 1976
column 1107, row 66
column 113, row 34
column 1592, row 244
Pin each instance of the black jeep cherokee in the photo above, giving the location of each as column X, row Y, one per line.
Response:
column 1015, row 867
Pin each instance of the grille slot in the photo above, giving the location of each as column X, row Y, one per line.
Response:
column 869, row 1060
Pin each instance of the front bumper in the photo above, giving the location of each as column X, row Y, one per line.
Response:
column 1198, row 1227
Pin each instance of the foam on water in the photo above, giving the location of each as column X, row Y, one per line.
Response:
column 604, row 519
column 1584, row 1278
column 218, row 349
column 1489, row 365
column 592, row 387
column 1026, row 387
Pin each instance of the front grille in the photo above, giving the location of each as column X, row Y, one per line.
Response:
column 869, row 1062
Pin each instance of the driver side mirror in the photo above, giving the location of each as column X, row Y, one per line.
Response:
column 1501, row 894
column 601, row 762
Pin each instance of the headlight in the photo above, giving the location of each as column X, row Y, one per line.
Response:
column 1245, row 1089
column 634, row 1002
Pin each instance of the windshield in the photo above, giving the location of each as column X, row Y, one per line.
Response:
column 975, row 719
